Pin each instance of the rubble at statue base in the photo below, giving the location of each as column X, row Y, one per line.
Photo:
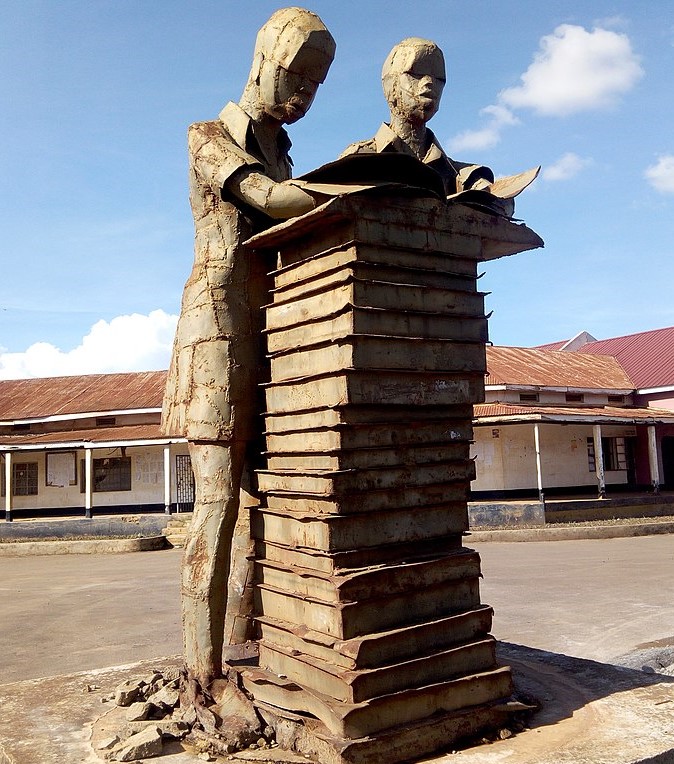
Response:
column 374, row 645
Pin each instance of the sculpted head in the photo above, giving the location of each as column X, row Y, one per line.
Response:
column 293, row 52
column 413, row 77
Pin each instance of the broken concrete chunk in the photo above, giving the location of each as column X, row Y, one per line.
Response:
column 166, row 698
column 127, row 692
column 107, row 743
column 151, row 678
column 173, row 729
column 171, row 673
column 144, row 744
column 138, row 711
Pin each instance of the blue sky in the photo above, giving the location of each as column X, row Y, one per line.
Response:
column 95, row 227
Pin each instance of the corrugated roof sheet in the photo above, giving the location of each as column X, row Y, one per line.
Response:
column 97, row 435
column 507, row 411
column 546, row 368
column 647, row 357
column 552, row 345
column 35, row 398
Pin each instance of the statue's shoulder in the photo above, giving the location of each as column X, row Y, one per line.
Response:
column 211, row 129
column 360, row 147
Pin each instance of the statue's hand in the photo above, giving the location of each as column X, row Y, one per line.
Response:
column 286, row 200
column 278, row 200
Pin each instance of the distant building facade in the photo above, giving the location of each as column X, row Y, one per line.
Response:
column 80, row 445
column 582, row 415
column 577, row 416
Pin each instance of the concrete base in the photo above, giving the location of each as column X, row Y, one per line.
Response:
column 592, row 713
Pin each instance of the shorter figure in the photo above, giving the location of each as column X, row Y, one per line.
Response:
column 413, row 78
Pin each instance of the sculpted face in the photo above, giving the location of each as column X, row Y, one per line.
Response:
column 414, row 78
column 286, row 96
column 293, row 53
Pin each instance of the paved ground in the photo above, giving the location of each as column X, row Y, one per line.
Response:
column 75, row 612
column 590, row 599
column 594, row 599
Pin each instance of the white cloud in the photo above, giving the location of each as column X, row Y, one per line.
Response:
column 661, row 174
column 126, row 343
column 476, row 140
column 566, row 167
column 575, row 70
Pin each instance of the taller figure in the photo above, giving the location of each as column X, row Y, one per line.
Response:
column 239, row 180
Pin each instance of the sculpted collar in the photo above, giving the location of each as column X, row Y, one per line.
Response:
column 239, row 126
column 387, row 139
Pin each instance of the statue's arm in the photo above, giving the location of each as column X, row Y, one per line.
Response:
column 278, row 200
column 229, row 169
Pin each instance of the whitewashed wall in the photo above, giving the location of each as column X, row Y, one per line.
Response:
column 147, row 480
column 506, row 456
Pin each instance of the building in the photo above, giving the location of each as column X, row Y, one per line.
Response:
column 89, row 444
column 577, row 416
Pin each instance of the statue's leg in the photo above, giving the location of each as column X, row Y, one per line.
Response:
column 206, row 562
column 239, row 615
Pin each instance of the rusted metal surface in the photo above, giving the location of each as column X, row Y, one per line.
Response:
column 338, row 561
column 361, row 270
column 528, row 366
column 405, row 418
column 365, row 597
column 423, row 224
column 366, row 387
column 353, row 619
column 367, row 457
column 96, row 393
column 342, row 533
column 339, row 439
column 131, row 432
column 357, row 480
column 351, row 252
column 377, row 322
column 360, row 720
column 366, row 351
column 374, row 294
column 380, row 648
column 507, row 412
column 647, row 357
column 351, row 686
column 447, row 495
column 376, row 581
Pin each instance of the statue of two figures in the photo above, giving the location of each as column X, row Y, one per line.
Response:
column 240, row 184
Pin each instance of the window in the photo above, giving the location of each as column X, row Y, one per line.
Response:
column 24, row 479
column 106, row 421
column 529, row 397
column 613, row 450
column 575, row 397
column 111, row 474
column 616, row 399
column 60, row 469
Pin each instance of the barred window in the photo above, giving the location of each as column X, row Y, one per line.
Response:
column 613, row 451
column 112, row 474
column 24, row 479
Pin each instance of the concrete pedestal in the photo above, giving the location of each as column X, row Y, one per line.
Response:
column 368, row 605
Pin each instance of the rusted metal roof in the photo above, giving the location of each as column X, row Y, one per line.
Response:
column 124, row 433
column 647, row 357
column 36, row 398
column 545, row 368
column 491, row 413
column 552, row 345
